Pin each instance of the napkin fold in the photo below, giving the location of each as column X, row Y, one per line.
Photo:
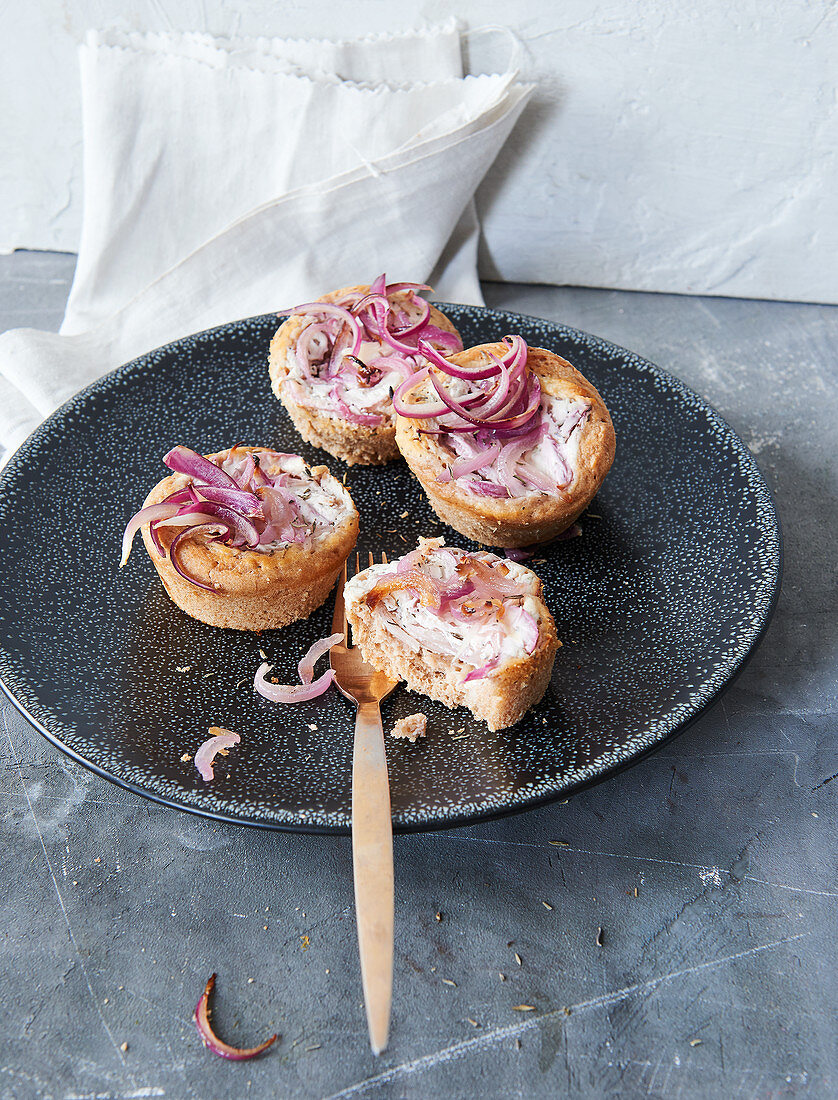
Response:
column 231, row 177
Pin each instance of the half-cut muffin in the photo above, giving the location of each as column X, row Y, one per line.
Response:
column 510, row 443
column 465, row 629
column 246, row 538
column 335, row 363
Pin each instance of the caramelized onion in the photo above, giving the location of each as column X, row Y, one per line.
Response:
column 211, row 1040
column 426, row 589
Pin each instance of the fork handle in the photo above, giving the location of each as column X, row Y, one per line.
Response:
column 372, row 862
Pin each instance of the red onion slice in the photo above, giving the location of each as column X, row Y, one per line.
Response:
column 211, row 1040
column 327, row 309
column 243, row 502
column 306, row 666
column 529, row 628
column 422, row 409
column 420, row 322
column 174, row 550
column 188, row 518
column 442, row 337
column 366, row 420
column 245, row 530
column 149, row 514
column 474, row 373
column 484, row 670
column 488, row 489
column 397, row 288
column 496, row 581
column 462, row 466
column 290, row 693
column 223, row 739
column 183, row 460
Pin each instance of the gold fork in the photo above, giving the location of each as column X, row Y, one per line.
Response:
column 372, row 825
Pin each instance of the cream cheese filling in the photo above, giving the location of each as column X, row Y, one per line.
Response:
column 555, row 456
column 322, row 505
column 501, row 635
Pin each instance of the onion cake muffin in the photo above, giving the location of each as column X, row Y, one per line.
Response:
column 335, row 363
column 246, row 538
column 510, row 443
column 465, row 629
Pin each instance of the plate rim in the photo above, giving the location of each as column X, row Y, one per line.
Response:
column 465, row 818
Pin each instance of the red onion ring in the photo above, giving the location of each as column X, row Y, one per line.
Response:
column 290, row 693
column 329, row 309
column 243, row 502
column 189, row 532
column 183, row 460
column 484, row 670
column 224, row 739
column 145, row 515
column 462, row 466
column 211, row 1040
column 306, row 666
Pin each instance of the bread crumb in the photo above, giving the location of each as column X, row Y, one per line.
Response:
column 182, row 668
column 186, row 757
column 412, row 727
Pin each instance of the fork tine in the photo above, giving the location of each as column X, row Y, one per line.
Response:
column 372, row 559
column 384, row 558
column 339, row 617
column 357, row 562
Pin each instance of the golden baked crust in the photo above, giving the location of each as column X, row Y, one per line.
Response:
column 252, row 590
column 537, row 517
column 354, row 443
column 500, row 699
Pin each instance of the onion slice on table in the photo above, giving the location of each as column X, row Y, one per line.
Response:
column 218, row 741
column 290, row 693
column 308, row 689
column 306, row 666
column 211, row 1040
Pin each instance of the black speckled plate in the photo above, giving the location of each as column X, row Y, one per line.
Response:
column 658, row 603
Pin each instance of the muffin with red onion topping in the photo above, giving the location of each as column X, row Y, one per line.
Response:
column 246, row 538
column 335, row 363
column 465, row 629
column 510, row 443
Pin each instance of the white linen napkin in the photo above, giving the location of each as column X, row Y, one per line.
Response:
column 226, row 178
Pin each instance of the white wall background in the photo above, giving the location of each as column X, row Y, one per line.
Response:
column 673, row 147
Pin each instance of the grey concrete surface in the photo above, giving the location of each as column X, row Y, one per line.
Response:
column 711, row 868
